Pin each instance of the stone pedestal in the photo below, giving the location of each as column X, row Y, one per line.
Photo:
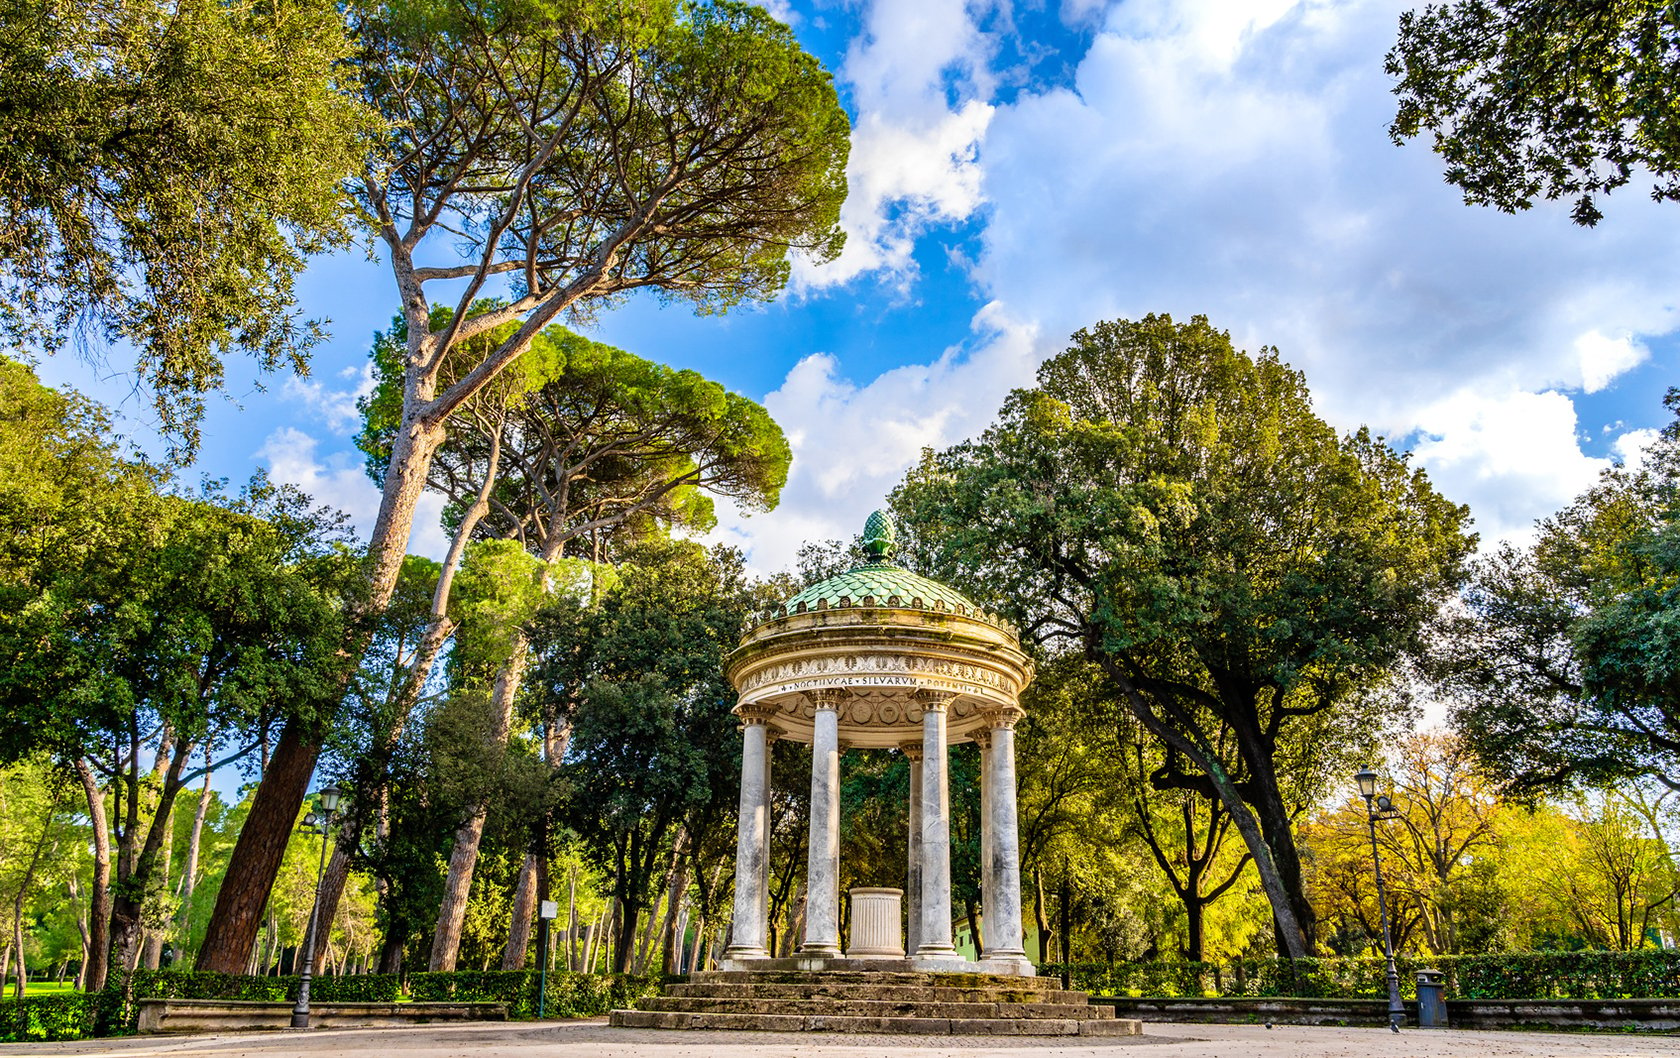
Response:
column 875, row 930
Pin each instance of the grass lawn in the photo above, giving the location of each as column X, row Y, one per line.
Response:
column 41, row 988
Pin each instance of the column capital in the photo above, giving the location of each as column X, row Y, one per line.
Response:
column 757, row 713
column 912, row 750
column 934, row 701
column 829, row 698
column 1002, row 717
column 983, row 739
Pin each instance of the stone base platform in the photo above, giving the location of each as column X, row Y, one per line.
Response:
column 1018, row 967
column 875, row 1001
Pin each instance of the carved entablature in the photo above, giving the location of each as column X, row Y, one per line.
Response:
column 890, row 665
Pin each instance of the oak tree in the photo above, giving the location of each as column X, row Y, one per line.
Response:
column 1174, row 510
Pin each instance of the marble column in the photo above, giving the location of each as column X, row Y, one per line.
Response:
column 750, row 925
column 913, row 887
column 1002, row 868
column 822, row 864
column 983, row 739
column 934, row 937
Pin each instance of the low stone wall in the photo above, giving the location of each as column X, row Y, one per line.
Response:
column 239, row 1015
column 1275, row 1011
column 1646, row 1015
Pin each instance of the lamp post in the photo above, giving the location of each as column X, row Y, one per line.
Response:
column 327, row 803
column 1380, row 807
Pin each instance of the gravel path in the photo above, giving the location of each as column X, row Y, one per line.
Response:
column 594, row 1039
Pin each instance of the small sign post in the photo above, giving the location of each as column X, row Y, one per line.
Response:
column 546, row 913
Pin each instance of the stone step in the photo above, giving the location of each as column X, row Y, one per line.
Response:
column 653, row 1019
column 899, row 1007
column 932, row 993
column 881, row 977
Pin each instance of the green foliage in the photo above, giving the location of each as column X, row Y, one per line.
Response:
column 1518, row 975
column 582, row 434
column 165, row 169
column 75, row 1017
column 59, row 1017
column 1173, row 511
column 1565, row 667
column 1527, row 99
column 570, row 995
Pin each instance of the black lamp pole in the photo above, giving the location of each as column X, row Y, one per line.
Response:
column 328, row 801
column 1383, row 808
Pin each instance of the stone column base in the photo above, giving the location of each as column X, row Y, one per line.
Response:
column 808, row 963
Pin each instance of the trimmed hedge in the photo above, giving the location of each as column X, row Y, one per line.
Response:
column 116, row 1011
column 1649, row 974
column 570, row 995
column 71, row 1016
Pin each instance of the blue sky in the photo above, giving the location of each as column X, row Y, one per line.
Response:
column 1020, row 170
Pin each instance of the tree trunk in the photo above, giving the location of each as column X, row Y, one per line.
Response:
column 1041, row 918
column 391, row 954
column 189, row 873
column 463, row 858
column 333, row 881
column 452, row 912
column 24, row 883
column 672, row 931
column 574, row 959
column 1278, row 831
column 1295, row 943
column 257, row 855
column 152, row 957
column 99, row 900
column 255, row 862
column 524, row 903
column 1195, row 910
column 71, row 889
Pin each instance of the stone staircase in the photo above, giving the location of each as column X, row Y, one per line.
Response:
column 870, row 1001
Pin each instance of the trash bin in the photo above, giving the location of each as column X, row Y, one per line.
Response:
column 1431, row 999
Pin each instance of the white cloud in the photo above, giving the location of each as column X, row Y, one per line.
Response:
column 1229, row 158
column 1515, row 453
column 781, row 10
column 852, row 443
column 919, row 81
column 1232, row 159
column 1632, row 447
column 336, row 407
column 1602, row 358
column 340, row 482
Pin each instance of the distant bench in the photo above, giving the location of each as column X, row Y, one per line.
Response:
column 243, row 1015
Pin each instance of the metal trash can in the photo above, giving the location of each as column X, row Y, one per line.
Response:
column 1431, row 999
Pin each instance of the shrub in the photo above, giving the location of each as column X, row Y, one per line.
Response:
column 570, row 995
column 54, row 1017
column 1649, row 974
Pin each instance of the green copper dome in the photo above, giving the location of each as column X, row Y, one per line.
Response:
column 880, row 581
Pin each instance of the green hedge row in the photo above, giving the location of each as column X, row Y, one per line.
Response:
column 72, row 1016
column 1651, row 974
column 569, row 995
column 115, row 1011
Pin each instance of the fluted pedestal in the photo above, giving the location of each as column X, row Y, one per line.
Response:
column 875, row 924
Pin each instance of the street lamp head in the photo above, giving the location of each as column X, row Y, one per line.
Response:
column 312, row 821
column 1367, row 780
column 329, row 796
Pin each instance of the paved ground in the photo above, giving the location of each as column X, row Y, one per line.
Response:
column 594, row 1039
